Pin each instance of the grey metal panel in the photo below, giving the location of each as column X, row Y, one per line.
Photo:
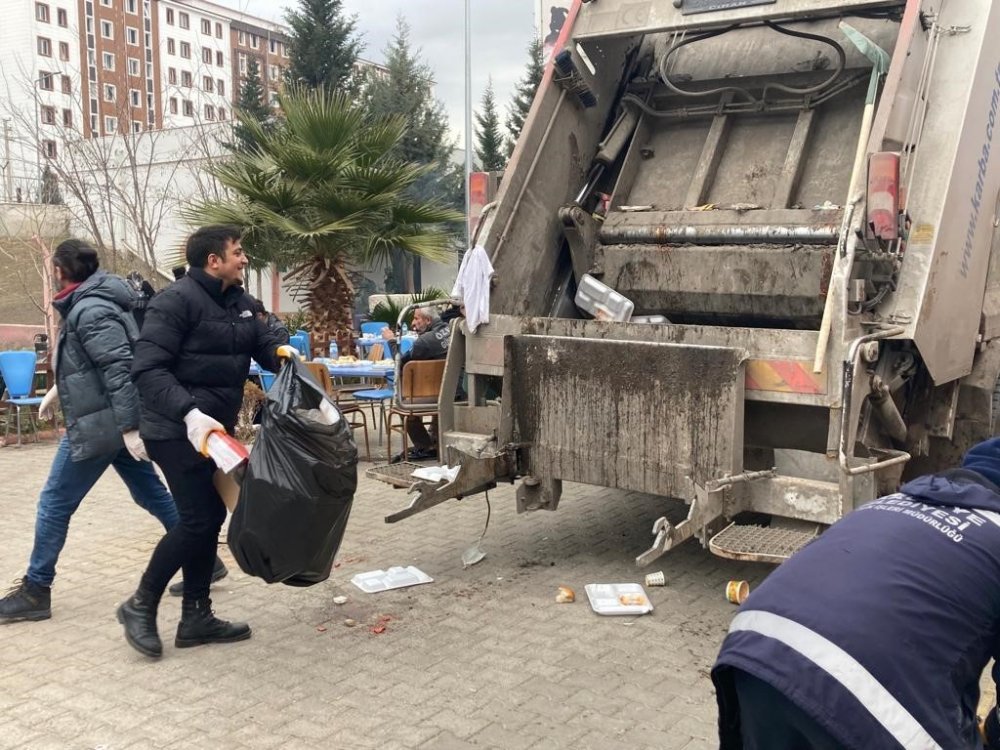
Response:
column 628, row 17
column 952, row 203
column 626, row 414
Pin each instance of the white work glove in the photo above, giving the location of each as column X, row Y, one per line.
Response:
column 50, row 404
column 134, row 445
column 287, row 351
column 199, row 427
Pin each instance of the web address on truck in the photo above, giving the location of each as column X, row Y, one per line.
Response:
column 983, row 164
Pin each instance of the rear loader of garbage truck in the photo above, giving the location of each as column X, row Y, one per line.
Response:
column 800, row 200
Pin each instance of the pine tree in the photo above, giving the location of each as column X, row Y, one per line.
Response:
column 323, row 45
column 524, row 94
column 489, row 141
column 251, row 104
column 406, row 90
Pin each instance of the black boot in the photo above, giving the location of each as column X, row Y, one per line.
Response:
column 218, row 573
column 26, row 601
column 138, row 615
column 199, row 625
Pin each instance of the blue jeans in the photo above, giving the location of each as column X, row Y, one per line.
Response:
column 69, row 482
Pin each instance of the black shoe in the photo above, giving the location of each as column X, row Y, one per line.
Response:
column 218, row 573
column 138, row 615
column 199, row 625
column 26, row 601
column 422, row 454
column 397, row 459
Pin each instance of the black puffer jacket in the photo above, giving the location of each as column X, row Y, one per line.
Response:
column 93, row 359
column 431, row 344
column 194, row 352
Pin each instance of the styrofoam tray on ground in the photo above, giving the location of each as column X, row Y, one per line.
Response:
column 394, row 578
column 607, row 598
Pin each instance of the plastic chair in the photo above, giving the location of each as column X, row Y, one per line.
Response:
column 300, row 341
column 350, row 412
column 18, row 370
column 372, row 326
column 373, row 396
column 417, row 396
column 266, row 380
column 406, row 346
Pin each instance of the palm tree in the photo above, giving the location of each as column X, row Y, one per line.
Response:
column 323, row 189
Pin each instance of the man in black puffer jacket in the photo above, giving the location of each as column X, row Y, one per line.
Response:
column 101, row 407
column 191, row 363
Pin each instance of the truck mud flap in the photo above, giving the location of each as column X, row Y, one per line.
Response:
column 642, row 416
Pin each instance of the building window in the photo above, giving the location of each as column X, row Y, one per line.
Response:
column 49, row 149
column 186, row 78
column 170, row 16
column 274, row 46
column 241, row 38
column 253, row 41
column 273, row 72
column 109, row 92
column 45, row 81
column 135, row 97
column 134, row 69
column 67, row 115
column 218, row 30
column 171, row 49
column 62, row 18
column 67, row 84
column 186, row 50
column 64, row 51
column 206, row 55
column 44, row 47
column 220, row 87
column 284, row 50
column 107, row 30
column 220, row 59
column 206, row 26
column 132, row 6
column 132, row 36
column 188, row 108
column 42, row 12
column 110, row 125
column 136, row 126
column 222, row 113
column 183, row 20
column 172, row 76
column 107, row 3
column 108, row 60
column 208, row 83
column 209, row 112
column 173, row 105
column 48, row 115
column 243, row 63
column 273, row 98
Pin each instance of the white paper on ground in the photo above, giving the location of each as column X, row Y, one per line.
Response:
column 618, row 599
column 394, row 578
column 436, row 473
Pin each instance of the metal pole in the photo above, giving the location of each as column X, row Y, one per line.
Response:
column 7, row 171
column 468, row 121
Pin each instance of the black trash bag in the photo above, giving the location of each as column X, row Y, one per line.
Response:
column 297, row 490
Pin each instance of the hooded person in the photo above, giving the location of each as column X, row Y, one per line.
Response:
column 876, row 634
column 92, row 363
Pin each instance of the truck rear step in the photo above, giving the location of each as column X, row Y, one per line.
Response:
column 768, row 544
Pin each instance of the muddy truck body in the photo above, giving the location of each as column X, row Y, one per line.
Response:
column 800, row 199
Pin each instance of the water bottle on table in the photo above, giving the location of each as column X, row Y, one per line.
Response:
column 334, row 350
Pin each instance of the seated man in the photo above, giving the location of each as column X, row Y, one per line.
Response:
column 875, row 635
column 435, row 335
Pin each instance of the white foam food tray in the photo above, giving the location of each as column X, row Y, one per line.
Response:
column 618, row 599
column 394, row 578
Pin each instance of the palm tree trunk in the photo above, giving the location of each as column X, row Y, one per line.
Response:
column 331, row 303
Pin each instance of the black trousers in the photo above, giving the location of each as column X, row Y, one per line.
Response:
column 770, row 721
column 419, row 437
column 190, row 545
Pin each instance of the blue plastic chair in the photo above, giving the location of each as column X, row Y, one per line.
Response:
column 266, row 380
column 372, row 327
column 373, row 396
column 300, row 341
column 406, row 345
column 18, row 371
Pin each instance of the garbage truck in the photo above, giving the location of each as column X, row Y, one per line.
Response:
column 801, row 200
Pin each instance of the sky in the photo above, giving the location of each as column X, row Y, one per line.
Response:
column 501, row 32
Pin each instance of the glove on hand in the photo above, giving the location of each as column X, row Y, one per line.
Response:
column 135, row 446
column 287, row 351
column 50, row 403
column 199, row 427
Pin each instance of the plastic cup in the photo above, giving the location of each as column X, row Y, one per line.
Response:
column 737, row 591
column 656, row 579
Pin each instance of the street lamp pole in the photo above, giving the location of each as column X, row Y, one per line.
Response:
column 468, row 122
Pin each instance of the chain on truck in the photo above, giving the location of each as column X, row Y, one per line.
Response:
column 800, row 200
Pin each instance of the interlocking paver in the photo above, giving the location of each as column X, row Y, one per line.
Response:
column 483, row 657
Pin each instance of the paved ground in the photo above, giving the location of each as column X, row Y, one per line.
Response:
column 482, row 657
